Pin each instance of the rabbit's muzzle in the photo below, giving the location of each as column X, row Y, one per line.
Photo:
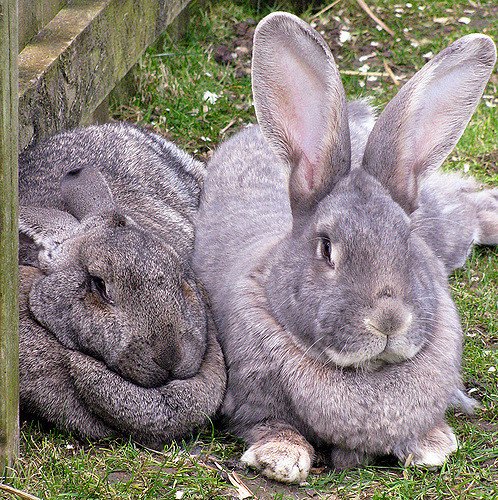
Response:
column 378, row 334
column 390, row 323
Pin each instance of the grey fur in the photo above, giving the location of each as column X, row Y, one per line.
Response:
column 116, row 333
column 360, row 352
column 454, row 214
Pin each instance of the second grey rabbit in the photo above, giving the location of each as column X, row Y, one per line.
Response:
column 454, row 214
column 333, row 309
column 116, row 332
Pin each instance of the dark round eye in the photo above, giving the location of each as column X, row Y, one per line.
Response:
column 98, row 286
column 325, row 251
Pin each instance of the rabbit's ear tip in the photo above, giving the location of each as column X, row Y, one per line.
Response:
column 279, row 19
column 279, row 15
column 478, row 37
column 481, row 43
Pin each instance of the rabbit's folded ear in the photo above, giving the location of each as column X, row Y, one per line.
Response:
column 423, row 123
column 85, row 192
column 48, row 228
column 301, row 107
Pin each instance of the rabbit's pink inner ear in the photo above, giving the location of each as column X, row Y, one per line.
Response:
column 423, row 123
column 295, row 121
column 300, row 105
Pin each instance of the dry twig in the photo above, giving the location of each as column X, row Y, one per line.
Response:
column 368, row 10
column 19, row 493
column 243, row 491
column 390, row 73
column 224, row 129
column 325, row 9
column 363, row 73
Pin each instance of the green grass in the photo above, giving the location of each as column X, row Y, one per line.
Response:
column 172, row 81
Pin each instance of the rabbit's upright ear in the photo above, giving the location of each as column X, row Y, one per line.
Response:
column 423, row 123
column 85, row 192
column 301, row 106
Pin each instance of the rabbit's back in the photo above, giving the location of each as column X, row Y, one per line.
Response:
column 151, row 180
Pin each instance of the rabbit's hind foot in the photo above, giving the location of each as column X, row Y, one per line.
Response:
column 434, row 449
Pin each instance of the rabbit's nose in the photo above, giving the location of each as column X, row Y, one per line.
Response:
column 164, row 352
column 390, row 318
column 165, row 357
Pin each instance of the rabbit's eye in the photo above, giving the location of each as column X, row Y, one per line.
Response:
column 98, row 286
column 325, row 251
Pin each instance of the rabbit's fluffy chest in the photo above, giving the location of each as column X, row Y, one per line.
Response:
column 369, row 410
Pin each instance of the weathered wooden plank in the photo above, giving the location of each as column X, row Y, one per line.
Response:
column 77, row 59
column 34, row 15
column 9, row 375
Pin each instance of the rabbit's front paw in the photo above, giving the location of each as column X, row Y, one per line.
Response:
column 435, row 447
column 284, row 461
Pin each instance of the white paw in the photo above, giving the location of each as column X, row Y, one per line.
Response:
column 435, row 447
column 280, row 460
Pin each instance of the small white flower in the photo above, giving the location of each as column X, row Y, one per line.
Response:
column 374, row 44
column 409, row 5
column 364, row 68
column 69, row 446
column 372, row 78
column 205, row 139
column 428, row 55
column 466, row 167
column 491, row 369
column 344, row 36
column 179, row 494
column 361, row 84
column 210, row 97
column 414, row 44
column 464, row 20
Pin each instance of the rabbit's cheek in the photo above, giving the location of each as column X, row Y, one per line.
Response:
column 53, row 301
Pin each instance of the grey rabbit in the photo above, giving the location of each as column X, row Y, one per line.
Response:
column 116, row 332
column 330, row 298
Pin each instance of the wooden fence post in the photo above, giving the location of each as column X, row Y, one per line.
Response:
column 9, row 315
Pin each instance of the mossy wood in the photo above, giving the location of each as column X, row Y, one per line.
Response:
column 9, row 379
column 34, row 15
column 75, row 61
